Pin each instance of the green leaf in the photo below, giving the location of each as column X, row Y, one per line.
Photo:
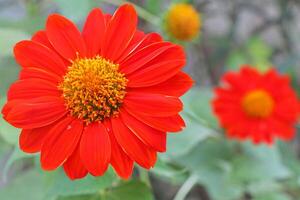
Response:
column 27, row 186
column 273, row 196
column 4, row 150
column 154, row 6
column 132, row 190
column 264, row 186
column 198, row 105
column 170, row 172
column 9, row 133
column 9, row 73
column 9, row 37
column 289, row 158
column 258, row 49
column 258, row 163
column 76, row 10
column 16, row 155
column 255, row 53
column 210, row 162
column 81, row 197
column 63, row 186
column 182, row 143
column 235, row 60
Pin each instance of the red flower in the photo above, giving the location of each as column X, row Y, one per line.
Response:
column 106, row 95
column 256, row 106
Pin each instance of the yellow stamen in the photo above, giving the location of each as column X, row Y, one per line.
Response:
column 93, row 89
column 258, row 104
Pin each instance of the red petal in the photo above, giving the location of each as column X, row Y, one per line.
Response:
column 119, row 32
column 93, row 32
column 155, row 74
column 175, row 86
column 34, row 113
column 32, row 88
column 74, row 167
column 60, row 142
column 120, row 161
column 95, row 149
column 155, row 105
column 136, row 39
column 41, row 37
column 147, row 39
column 32, row 54
column 8, row 106
column 149, row 136
column 65, row 37
column 145, row 55
column 166, row 124
column 138, row 151
column 31, row 140
column 30, row 72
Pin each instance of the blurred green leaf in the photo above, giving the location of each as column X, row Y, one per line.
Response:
column 182, row 143
column 132, row 190
column 9, row 73
column 4, row 149
column 29, row 24
column 198, row 105
column 255, row 52
column 264, row 186
column 76, row 10
column 258, row 49
column 289, row 157
column 258, row 163
column 81, row 197
column 9, row 37
column 169, row 172
column 16, row 155
column 209, row 161
column 272, row 196
column 26, row 186
column 236, row 59
column 154, row 6
column 63, row 186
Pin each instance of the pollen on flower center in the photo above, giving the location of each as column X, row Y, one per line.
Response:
column 93, row 89
column 258, row 104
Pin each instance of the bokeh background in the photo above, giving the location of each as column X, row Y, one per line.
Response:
column 200, row 164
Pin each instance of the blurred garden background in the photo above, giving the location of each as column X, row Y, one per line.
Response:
column 200, row 162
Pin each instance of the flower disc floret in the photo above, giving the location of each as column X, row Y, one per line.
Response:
column 93, row 89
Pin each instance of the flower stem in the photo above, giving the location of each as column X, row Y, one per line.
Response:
column 186, row 187
column 144, row 176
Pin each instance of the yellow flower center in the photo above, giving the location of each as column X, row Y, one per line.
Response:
column 183, row 21
column 93, row 89
column 258, row 104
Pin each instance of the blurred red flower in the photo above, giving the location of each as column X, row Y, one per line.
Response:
column 256, row 106
column 106, row 95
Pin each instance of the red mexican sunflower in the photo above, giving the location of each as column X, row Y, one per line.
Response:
column 105, row 95
column 257, row 106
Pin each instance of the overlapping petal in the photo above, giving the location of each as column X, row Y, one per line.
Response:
column 32, row 54
column 65, row 37
column 95, row 149
column 60, row 142
column 138, row 151
column 93, row 32
column 138, row 127
column 238, row 124
column 117, row 39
